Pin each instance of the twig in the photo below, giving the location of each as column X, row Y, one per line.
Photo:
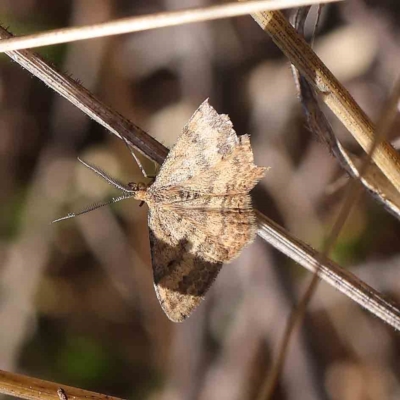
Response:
column 373, row 180
column 328, row 271
column 89, row 104
column 152, row 21
column 30, row 388
column 332, row 93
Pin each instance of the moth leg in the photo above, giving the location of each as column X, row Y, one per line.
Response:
column 130, row 148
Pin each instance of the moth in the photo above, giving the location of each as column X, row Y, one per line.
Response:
column 200, row 212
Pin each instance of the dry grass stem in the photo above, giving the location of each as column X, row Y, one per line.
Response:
column 333, row 94
column 372, row 179
column 328, row 271
column 85, row 101
column 152, row 21
column 29, row 388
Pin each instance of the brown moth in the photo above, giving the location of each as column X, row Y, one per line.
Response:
column 200, row 213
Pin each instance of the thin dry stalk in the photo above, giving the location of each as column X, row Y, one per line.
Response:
column 85, row 101
column 36, row 389
column 152, row 21
column 373, row 180
column 331, row 91
column 328, row 271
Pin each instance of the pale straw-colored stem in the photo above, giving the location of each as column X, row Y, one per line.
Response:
column 26, row 387
column 152, row 21
column 331, row 91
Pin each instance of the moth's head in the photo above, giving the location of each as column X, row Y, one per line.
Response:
column 139, row 190
column 137, row 187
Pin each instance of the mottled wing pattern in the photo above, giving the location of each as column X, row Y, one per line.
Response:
column 235, row 173
column 190, row 243
column 181, row 277
column 205, row 140
column 200, row 210
column 218, row 235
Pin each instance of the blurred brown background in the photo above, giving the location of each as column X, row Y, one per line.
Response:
column 77, row 304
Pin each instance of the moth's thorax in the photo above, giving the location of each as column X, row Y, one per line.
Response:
column 139, row 189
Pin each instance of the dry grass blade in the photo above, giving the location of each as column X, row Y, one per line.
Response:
column 85, row 101
column 328, row 271
column 152, row 21
column 373, row 179
column 333, row 94
column 29, row 388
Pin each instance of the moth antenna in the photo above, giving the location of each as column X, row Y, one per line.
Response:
column 129, row 146
column 106, row 177
column 93, row 207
